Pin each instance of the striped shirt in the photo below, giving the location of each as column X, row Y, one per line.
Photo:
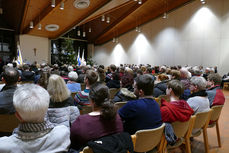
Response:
column 82, row 97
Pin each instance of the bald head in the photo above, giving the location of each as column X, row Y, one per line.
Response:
column 10, row 75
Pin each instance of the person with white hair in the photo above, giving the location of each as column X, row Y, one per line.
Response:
column 34, row 133
column 62, row 110
column 198, row 100
column 72, row 84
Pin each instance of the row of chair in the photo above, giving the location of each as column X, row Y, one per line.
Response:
column 147, row 140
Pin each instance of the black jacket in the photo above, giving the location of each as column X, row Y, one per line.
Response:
column 160, row 89
column 6, row 99
column 116, row 143
column 27, row 76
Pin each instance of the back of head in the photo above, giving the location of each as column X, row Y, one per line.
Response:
column 73, row 76
column 26, row 67
column 31, row 102
column 70, row 68
column 176, row 74
column 92, row 76
column 113, row 67
column 198, row 81
column 10, row 75
column 57, row 88
column 145, row 82
column 99, row 94
column 163, row 77
column 215, row 77
column 177, row 87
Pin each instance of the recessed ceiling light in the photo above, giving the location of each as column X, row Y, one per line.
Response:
column 81, row 4
column 52, row 27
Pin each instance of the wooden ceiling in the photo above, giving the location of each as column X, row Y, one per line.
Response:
column 124, row 15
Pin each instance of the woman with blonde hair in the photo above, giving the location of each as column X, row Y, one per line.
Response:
column 61, row 108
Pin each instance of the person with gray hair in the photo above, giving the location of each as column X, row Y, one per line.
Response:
column 198, row 100
column 34, row 133
column 72, row 84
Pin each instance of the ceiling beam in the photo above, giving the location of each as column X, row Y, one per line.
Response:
column 45, row 12
column 131, row 10
column 106, row 12
column 24, row 15
column 69, row 28
column 144, row 19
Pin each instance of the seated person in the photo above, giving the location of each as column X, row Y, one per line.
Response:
column 34, row 134
column 143, row 113
column 62, row 110
column 10, row 76
column 72, row 85
column 126, row 93
column 81, row 97
column 27, row 75
column 161, row 86
column 114, row 82
column 103, row 121
column 175, row 110
column 198, row 100
column 215, row 94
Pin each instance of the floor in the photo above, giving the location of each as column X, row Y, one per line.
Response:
column 197, row 146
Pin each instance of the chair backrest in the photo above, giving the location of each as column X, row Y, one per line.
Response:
column 8, row 122
column 181, row 128
column 85, row 110
column 202, row 119
column 166, row 97
column 113, row 91
column 216, row 112
column 87, row 150
column 120, row 104
column 147, row 140
column 83, row 86
column 73, row 94
column 158, row 100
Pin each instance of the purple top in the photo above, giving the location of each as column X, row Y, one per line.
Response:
column 87, row 127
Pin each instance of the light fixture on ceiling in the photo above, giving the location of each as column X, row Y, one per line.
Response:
column 139, row 2
column 203, row 1
column 138, row 29
column 165, row 16
column 103, row 18
column 52, row 27
column 53, row 3
column 31, row 25
column 108, row 19
column 78, row 32
column 89, row 30
column 84, row 34
column 113, row 40
column 39, row 26
column 62, row 5
column 81, row 4
column 116, row 40
column 135, row 0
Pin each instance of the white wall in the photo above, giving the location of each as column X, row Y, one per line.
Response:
column 42, row 45
column 195, row 34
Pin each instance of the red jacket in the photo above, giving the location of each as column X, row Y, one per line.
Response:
column 175, row 111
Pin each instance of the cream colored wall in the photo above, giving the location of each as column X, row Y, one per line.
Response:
column 195, row 34
column 42, row 45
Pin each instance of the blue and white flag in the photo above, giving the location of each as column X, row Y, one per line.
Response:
column 78, row 58
column 19, row 57
column 83, row 60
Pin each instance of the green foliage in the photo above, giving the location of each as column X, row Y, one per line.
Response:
column 69, row 50
column 90, row 61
